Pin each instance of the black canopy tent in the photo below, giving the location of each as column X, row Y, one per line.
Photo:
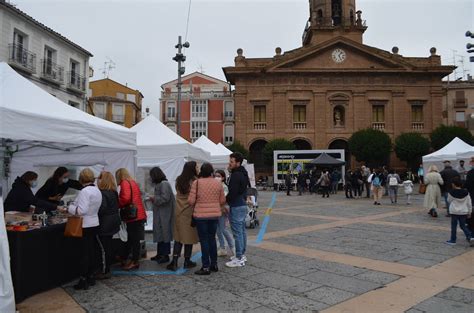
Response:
column 326, row 160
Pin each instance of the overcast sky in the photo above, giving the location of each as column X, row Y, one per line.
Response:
column 140, row 35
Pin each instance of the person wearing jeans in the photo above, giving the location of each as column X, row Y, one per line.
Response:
column 460, row 208
column 238, row 183
column 223, row 233
column 207, row 197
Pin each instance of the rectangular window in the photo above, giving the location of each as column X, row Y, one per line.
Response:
column 49, row 60
column 260, row 114
column 172, row 127
column 99, row 109
column 19, row 53
column 171, row 110
column 299, row 113
column 198, row 129
column 378, row 113
column 118, row 115
column 120, row 96
column 229, row 109
column 417, row 114
column 199, row 110
column 228, row 134
column 460, row 116
column 74, row 104
column 131, row 97
column 74, row 74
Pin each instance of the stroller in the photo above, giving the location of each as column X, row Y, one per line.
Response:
column 251, row 220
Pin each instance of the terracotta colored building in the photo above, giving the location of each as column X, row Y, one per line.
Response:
column 318, row 95
column 207, row 108
column 115, row 102
column 458, row 103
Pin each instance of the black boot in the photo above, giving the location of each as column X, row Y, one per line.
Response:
column 81, row 284
column 91, row 280
column 173, row 266
column 162, row 259
column 188, row 263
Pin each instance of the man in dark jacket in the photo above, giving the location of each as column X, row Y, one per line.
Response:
column 448, row 174
column 237, row 200
column 470, row 187
column 301, row 181
column 288, row 184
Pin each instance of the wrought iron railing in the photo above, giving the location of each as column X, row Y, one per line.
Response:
column 17, row 55
column 51, row 71
column 76, row 81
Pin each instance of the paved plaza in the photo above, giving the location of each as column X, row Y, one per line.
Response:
column 316, row 255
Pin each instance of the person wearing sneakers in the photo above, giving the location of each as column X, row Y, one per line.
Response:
column 238, row 183
column 460, row 209
column 223, row 233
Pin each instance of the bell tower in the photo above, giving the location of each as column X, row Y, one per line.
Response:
column 332, row 18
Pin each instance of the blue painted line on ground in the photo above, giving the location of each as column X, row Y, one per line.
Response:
column 196, row 257
column 266, row 220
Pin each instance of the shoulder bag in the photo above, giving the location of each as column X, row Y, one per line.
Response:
column 73, row 226
column 129, row 212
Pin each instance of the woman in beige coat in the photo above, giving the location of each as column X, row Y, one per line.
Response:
column 433, row 181
column 183, row 232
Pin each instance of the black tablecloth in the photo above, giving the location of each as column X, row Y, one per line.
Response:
column 42, row 259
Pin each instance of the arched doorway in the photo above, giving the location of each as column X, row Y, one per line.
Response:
column 256, row 155
column 342, row 144
column 302, row 144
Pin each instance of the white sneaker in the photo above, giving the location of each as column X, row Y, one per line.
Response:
column 222, row 252
column 243, row 258
column 235, row 263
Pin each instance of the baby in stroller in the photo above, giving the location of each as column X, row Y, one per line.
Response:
column 251, row 220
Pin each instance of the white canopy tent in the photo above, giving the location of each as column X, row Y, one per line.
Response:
column 38, row 131
column 159, row 146
column 455, row 151
column 219, row 154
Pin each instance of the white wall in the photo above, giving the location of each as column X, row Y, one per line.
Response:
column 37, row 39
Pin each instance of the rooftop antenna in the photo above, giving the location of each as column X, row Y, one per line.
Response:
column 463, row 67
column 201, row 69
column 109, row 65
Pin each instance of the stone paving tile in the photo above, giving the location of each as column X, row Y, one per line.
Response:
column 261, row 309
column 378, row 277
column 439, row 305
column 125, row 309
column 458, row 295
column 329, row 295
column 194, row 309
column 228, row 282
column 418, row 262
column 283, row 222
column 284, row 301
column 172, row 306
column 350, row 284
column 220, row 301
column 284, row 282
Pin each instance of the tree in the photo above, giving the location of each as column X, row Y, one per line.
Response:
column 238, row 147
column 411, row 147
column 443, row 135
column 274, row 145
column 370, row 146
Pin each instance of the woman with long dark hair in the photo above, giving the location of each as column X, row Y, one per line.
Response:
column 207, row 197
column 183, row 232
column 57, row 185
column 163, row 214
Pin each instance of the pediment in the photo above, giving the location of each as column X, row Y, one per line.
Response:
column 326, row 57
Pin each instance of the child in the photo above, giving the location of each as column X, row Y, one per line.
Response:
column 408, row 188
column 460, row 208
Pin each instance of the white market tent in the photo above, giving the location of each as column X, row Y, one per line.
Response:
column 456, row 150
column 49, row 133
column 159, row 146
column 37, row 130
column 219, row 154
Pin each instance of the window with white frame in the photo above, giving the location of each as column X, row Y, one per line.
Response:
column 99, row 109
column 228, row 134
column 172, row 127
column 171, row 110
column 131, row 97
column 460, row 116
column 229, row 109
column 118, row 114
column 199, row 110
column 120, row 96
column 198, row 129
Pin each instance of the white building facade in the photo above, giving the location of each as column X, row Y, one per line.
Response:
column 44, row 56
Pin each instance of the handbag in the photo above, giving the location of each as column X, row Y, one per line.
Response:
column 422, row 189
column 129, row 212
column 193, row 220
column 73, row 226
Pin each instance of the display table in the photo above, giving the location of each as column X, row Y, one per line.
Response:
column 42, row 259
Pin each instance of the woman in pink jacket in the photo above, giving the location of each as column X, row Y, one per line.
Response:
column 207, row 197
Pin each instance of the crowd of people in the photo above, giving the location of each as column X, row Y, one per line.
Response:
column 204, row 205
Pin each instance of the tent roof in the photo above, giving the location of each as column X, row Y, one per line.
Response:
column 326, row 159
column 450, row 151
column 27, row 112
column 205, row 143
column 156, row 141
column 224, row 149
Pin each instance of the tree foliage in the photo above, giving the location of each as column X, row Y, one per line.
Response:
column 370, row 146
column 275, row 145
column 411, row 147
column 238, row 147
column 443, row 135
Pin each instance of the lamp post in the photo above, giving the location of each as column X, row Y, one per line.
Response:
column 470, row 46
column 180, row 58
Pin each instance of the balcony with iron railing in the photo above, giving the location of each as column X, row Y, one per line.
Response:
column 260, row 125
column 418, row 126
column 186, row 95
column 378, row 125
column 52, row 72
column 229, row 116
column 76, row 82
column 460, row 103
column 21, row 58
column 299, row 125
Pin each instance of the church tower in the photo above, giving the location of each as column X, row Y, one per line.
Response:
column 333, row 18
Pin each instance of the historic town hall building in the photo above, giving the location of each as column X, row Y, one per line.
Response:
column 334, row 85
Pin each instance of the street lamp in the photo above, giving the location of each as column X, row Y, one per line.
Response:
column 180, row 58
column 470, row 46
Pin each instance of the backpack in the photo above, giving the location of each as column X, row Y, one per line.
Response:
column 376, row 181
column 393, row 181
